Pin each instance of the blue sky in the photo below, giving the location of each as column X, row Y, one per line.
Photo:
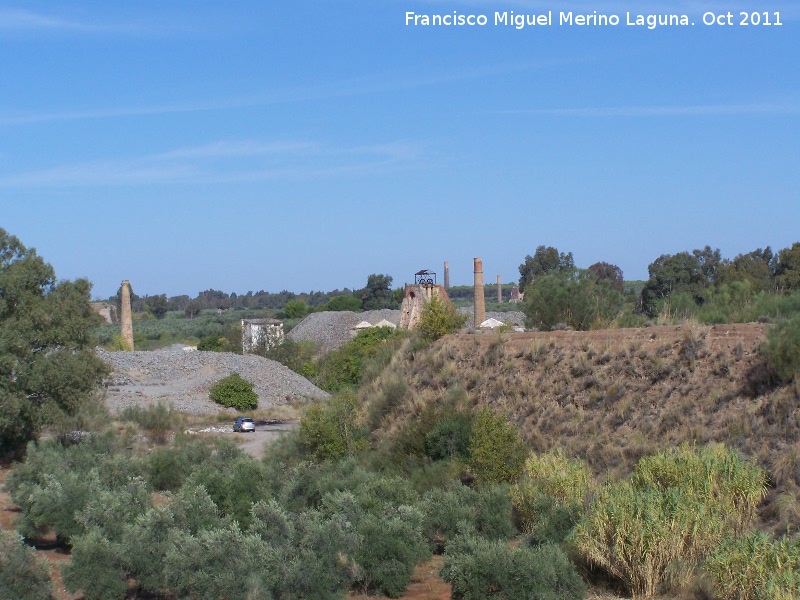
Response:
column 304, row 145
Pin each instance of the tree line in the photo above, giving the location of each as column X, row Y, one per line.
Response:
column 698, row 284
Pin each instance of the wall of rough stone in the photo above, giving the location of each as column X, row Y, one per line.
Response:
column 414, row 300
column 256, row 333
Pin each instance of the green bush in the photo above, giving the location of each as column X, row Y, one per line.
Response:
column 215, row 343
column 167, row 468
column 95, row 569
column 450, row 438
column 234, row 391
column 344, row 366
column 440, row 318
column 755, row 567
column 219, row 563
column 392, row 545
column 233, row 485
column 782, row 350
column 329, row 430
column 496, row 452
column 21, row 576
column 56, row 483
column 477, row 569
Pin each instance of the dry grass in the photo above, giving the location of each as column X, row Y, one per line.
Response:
column 612, row 396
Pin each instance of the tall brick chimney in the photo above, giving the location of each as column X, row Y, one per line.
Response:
column 126, row 319
column 499, row 290
column 446, row 275
column 479, row 315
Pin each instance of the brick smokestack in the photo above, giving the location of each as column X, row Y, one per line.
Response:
column 446, row 275
column 499, row 290
column 480, row 302
column 126, row 319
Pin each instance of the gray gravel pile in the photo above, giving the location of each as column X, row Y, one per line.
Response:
column 331, row 329
column 182, row 379
column 512, row 317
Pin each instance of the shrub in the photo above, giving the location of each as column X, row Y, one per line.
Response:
column 234, row 391
column 233, row 485
column 95, row 569
column 497, row 452
column 450, row 438
column 440, row 318
column 329, row 430
column 58, row 482
column 156, row 419
column 344, row 366
column 755, row 566
column 391, row 394
column 458, row 509
column 478, row 569
column 215, row 343
column 782, row 351
column 392, row 544
column 168, row 467
column 21, row 576
column 219, row 563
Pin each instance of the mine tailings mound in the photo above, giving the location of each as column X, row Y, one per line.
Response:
column 613, row 396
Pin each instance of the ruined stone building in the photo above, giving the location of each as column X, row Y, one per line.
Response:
column 257, row 333
column 417, row 295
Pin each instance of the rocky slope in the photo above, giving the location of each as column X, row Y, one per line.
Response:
column 182, row 378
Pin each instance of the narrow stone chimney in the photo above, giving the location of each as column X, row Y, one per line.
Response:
column 126, row 319
column 480, row 302
column 499, row 290
column 446, row 275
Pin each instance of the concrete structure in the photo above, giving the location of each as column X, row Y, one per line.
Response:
column 261, row 333
column 479, row 315
column 516, row 296
column 446, row 275
column 107, row 311
column 499, row 290
column 126, row 318
column 417, row 295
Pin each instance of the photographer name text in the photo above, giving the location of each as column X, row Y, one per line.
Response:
column 513, row 20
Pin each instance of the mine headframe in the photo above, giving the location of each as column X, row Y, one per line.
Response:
column 425, row 277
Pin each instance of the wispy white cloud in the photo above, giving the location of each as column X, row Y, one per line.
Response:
column 15, row 19
column 23, row 21
column 338, row 89
column 226, row 162
column 700, row 110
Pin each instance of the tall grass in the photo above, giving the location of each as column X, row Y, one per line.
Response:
column 653, row 532
column 755, row 567
column 554, row 477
